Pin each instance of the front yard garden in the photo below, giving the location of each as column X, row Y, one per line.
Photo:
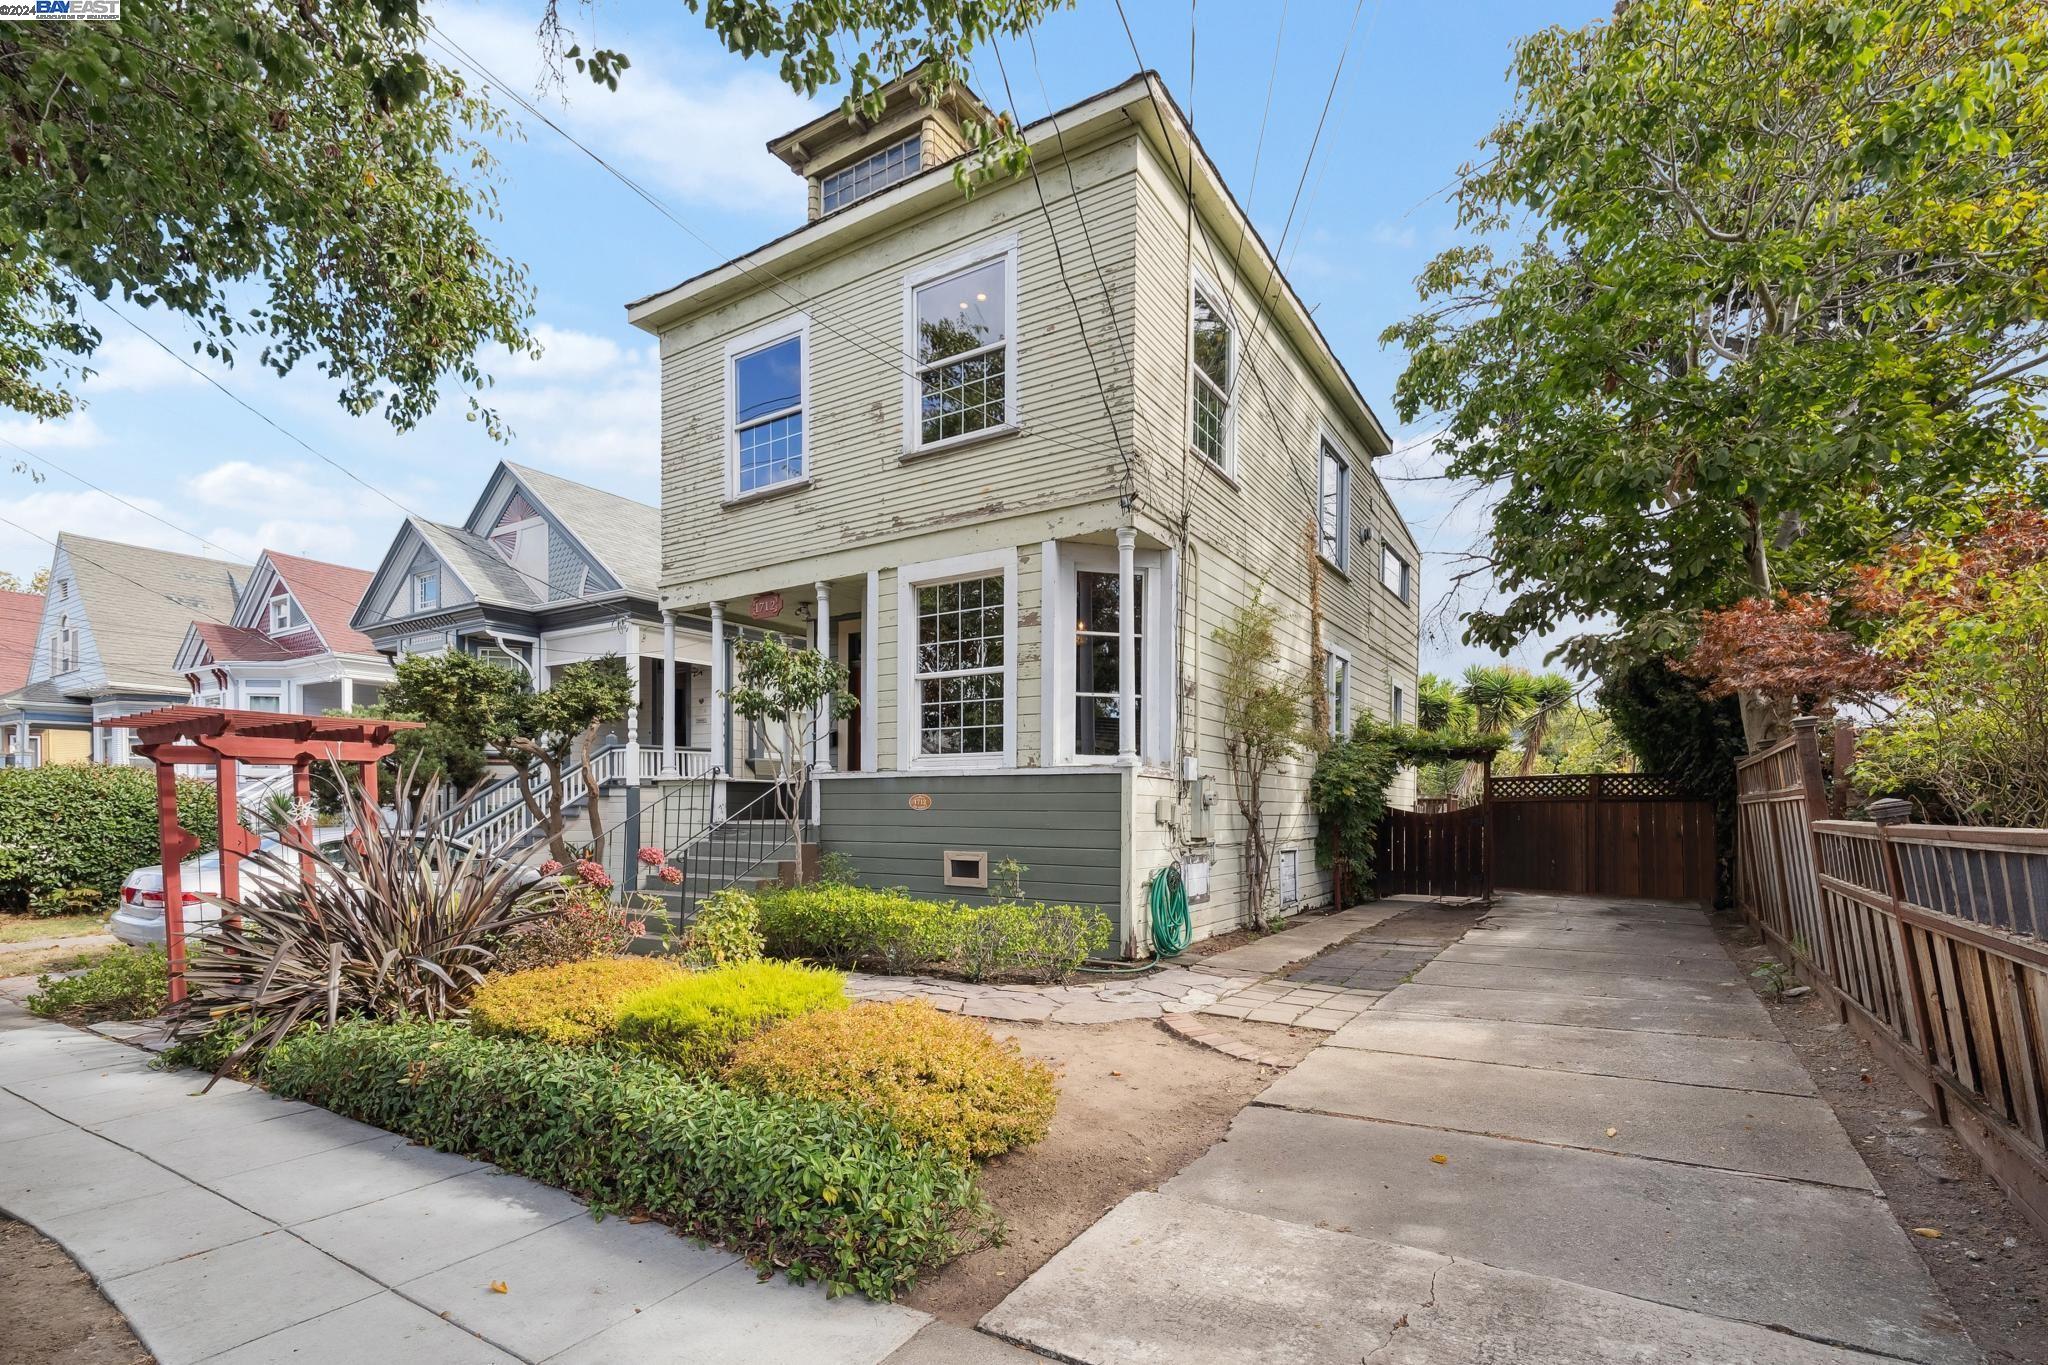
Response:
column 726, row 1085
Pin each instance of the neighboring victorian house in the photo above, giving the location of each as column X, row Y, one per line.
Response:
column 20, row 614
column 964, row 432
column 111, row 624
column 543, row 573
column 289, row 645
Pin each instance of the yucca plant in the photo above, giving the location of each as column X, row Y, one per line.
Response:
column 404, row 925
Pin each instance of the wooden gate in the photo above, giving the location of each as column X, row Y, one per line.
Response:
column 1601, row 834
column 1433, row 853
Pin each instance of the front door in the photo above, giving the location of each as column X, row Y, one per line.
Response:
column 849, row 761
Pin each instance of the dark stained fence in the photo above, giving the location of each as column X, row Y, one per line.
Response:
column 1601, row 834
column 1927, row 937
column 1433, row 853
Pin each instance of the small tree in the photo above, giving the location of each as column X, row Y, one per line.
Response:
column 456, row 697
column 1263, row 705
column 555, row 728
column 799, row 692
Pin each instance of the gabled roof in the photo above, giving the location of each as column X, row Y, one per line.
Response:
column 622, row 535
column 139, row 602
column 21, row 617
column 243, row 645
column 329, row 595
column 482, row 569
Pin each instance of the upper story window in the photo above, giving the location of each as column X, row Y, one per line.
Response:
column 1400, row 706
column 1215, row 370
column 767, row 381
column 426, row 590
column 64, row 649
column 1333, row 507
column 1395, row 573
column 1337, row 686
column 871, row 174
column 961, row 677
column 280, row 614
column 962, row 322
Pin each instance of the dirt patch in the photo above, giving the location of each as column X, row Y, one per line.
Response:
column 69, row 955
column 51, row 1311
column 1136, row 1105
column 1275, row 1040
column 1989, row 1260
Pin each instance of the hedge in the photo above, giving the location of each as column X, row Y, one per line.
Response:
column 893, row 931
column 85, row 825
column 572, row 1003
column 822, row 1191
column 695, row 1020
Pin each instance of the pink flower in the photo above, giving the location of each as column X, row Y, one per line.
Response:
column 672, row 875
column 551, row 868
column 593, row 874
column 653, row 856
column 637, row 928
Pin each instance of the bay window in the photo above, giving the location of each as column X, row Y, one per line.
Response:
column 1098, row 724
column 767, row 381
column 961, row 319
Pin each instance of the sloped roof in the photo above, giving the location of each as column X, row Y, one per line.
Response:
column 21, row 615
column 329, row 595
column 624, row 535
column 139, row 602
column 494, row 581
column 240, row 644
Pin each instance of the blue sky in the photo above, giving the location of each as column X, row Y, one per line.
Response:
column 1421, row 85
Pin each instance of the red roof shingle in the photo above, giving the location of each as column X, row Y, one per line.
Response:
column 21, row 614
column 328, row 594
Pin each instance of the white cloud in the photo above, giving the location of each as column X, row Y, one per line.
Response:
column 26, row 545
column 589, row 405
column 76, row 432
column 128, row 363
column 692, row 128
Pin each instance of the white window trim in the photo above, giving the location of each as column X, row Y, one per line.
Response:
column 909, row 579
column 1397, row 697
column 796, row 325
column 879, row 153
column 1342, row 561
column 281, row 602
column 1405, row 598
column 1064, row 561
column 1219, row 298
column 413, row 581
column 1340, row 702
column 1005, row 249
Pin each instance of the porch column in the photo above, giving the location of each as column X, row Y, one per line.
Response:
column 668, row 694
column 822, row 745
column 719, row 754
column 1126, row 645
column 21, row 742
column 348, row 693
column 631, row 630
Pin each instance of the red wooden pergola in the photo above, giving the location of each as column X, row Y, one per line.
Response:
column 209, row 736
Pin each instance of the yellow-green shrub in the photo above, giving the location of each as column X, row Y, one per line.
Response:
column 697, row 1018
column 573, row 1002
column 936, row 1077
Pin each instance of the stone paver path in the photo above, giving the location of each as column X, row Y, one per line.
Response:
column 1573, row 1137
column 242, row 1229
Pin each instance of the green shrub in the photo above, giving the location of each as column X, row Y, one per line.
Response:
column 893, row 931
column 127, row 983
column 821, row 1190
column 71, row 825
column 584, row 924
column 572, row 1003
column 727, row 930
column 70, row 900
column 695, row 1020
column 936, row 1077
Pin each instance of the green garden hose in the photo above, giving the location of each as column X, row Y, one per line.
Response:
column 1171, row 927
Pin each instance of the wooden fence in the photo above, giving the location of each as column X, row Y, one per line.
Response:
column 1930, row 939
column 1601, row 834
column 1433, row 853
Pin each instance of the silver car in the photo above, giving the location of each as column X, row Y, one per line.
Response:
column 140, row 920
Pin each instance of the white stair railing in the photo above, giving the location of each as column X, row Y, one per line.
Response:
column 502, row 817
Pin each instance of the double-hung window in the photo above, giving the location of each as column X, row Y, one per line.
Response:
column 961, row 323
column 960, row 667
column 1214, row 376
column 280, row 615
column 1337, row 684
column 766, row 381
column 1333, row 507
column 1098, row 718
column 426, row 590
column 1395, row 574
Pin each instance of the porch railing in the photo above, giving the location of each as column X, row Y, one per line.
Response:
column 690, row 763
column 1929, row 938
column 498, row 817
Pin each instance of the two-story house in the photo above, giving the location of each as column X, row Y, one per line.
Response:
column 1014, row 458
column 112, row 620
column 289, row 645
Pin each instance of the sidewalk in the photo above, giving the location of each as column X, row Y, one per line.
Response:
column 1574, row 1136
column 243, row 1229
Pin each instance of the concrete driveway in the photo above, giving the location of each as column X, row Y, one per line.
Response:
column 242, row 1229
column 1574, row 1136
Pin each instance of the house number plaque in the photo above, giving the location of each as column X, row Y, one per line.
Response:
column 765, row 605
column 921, row 801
